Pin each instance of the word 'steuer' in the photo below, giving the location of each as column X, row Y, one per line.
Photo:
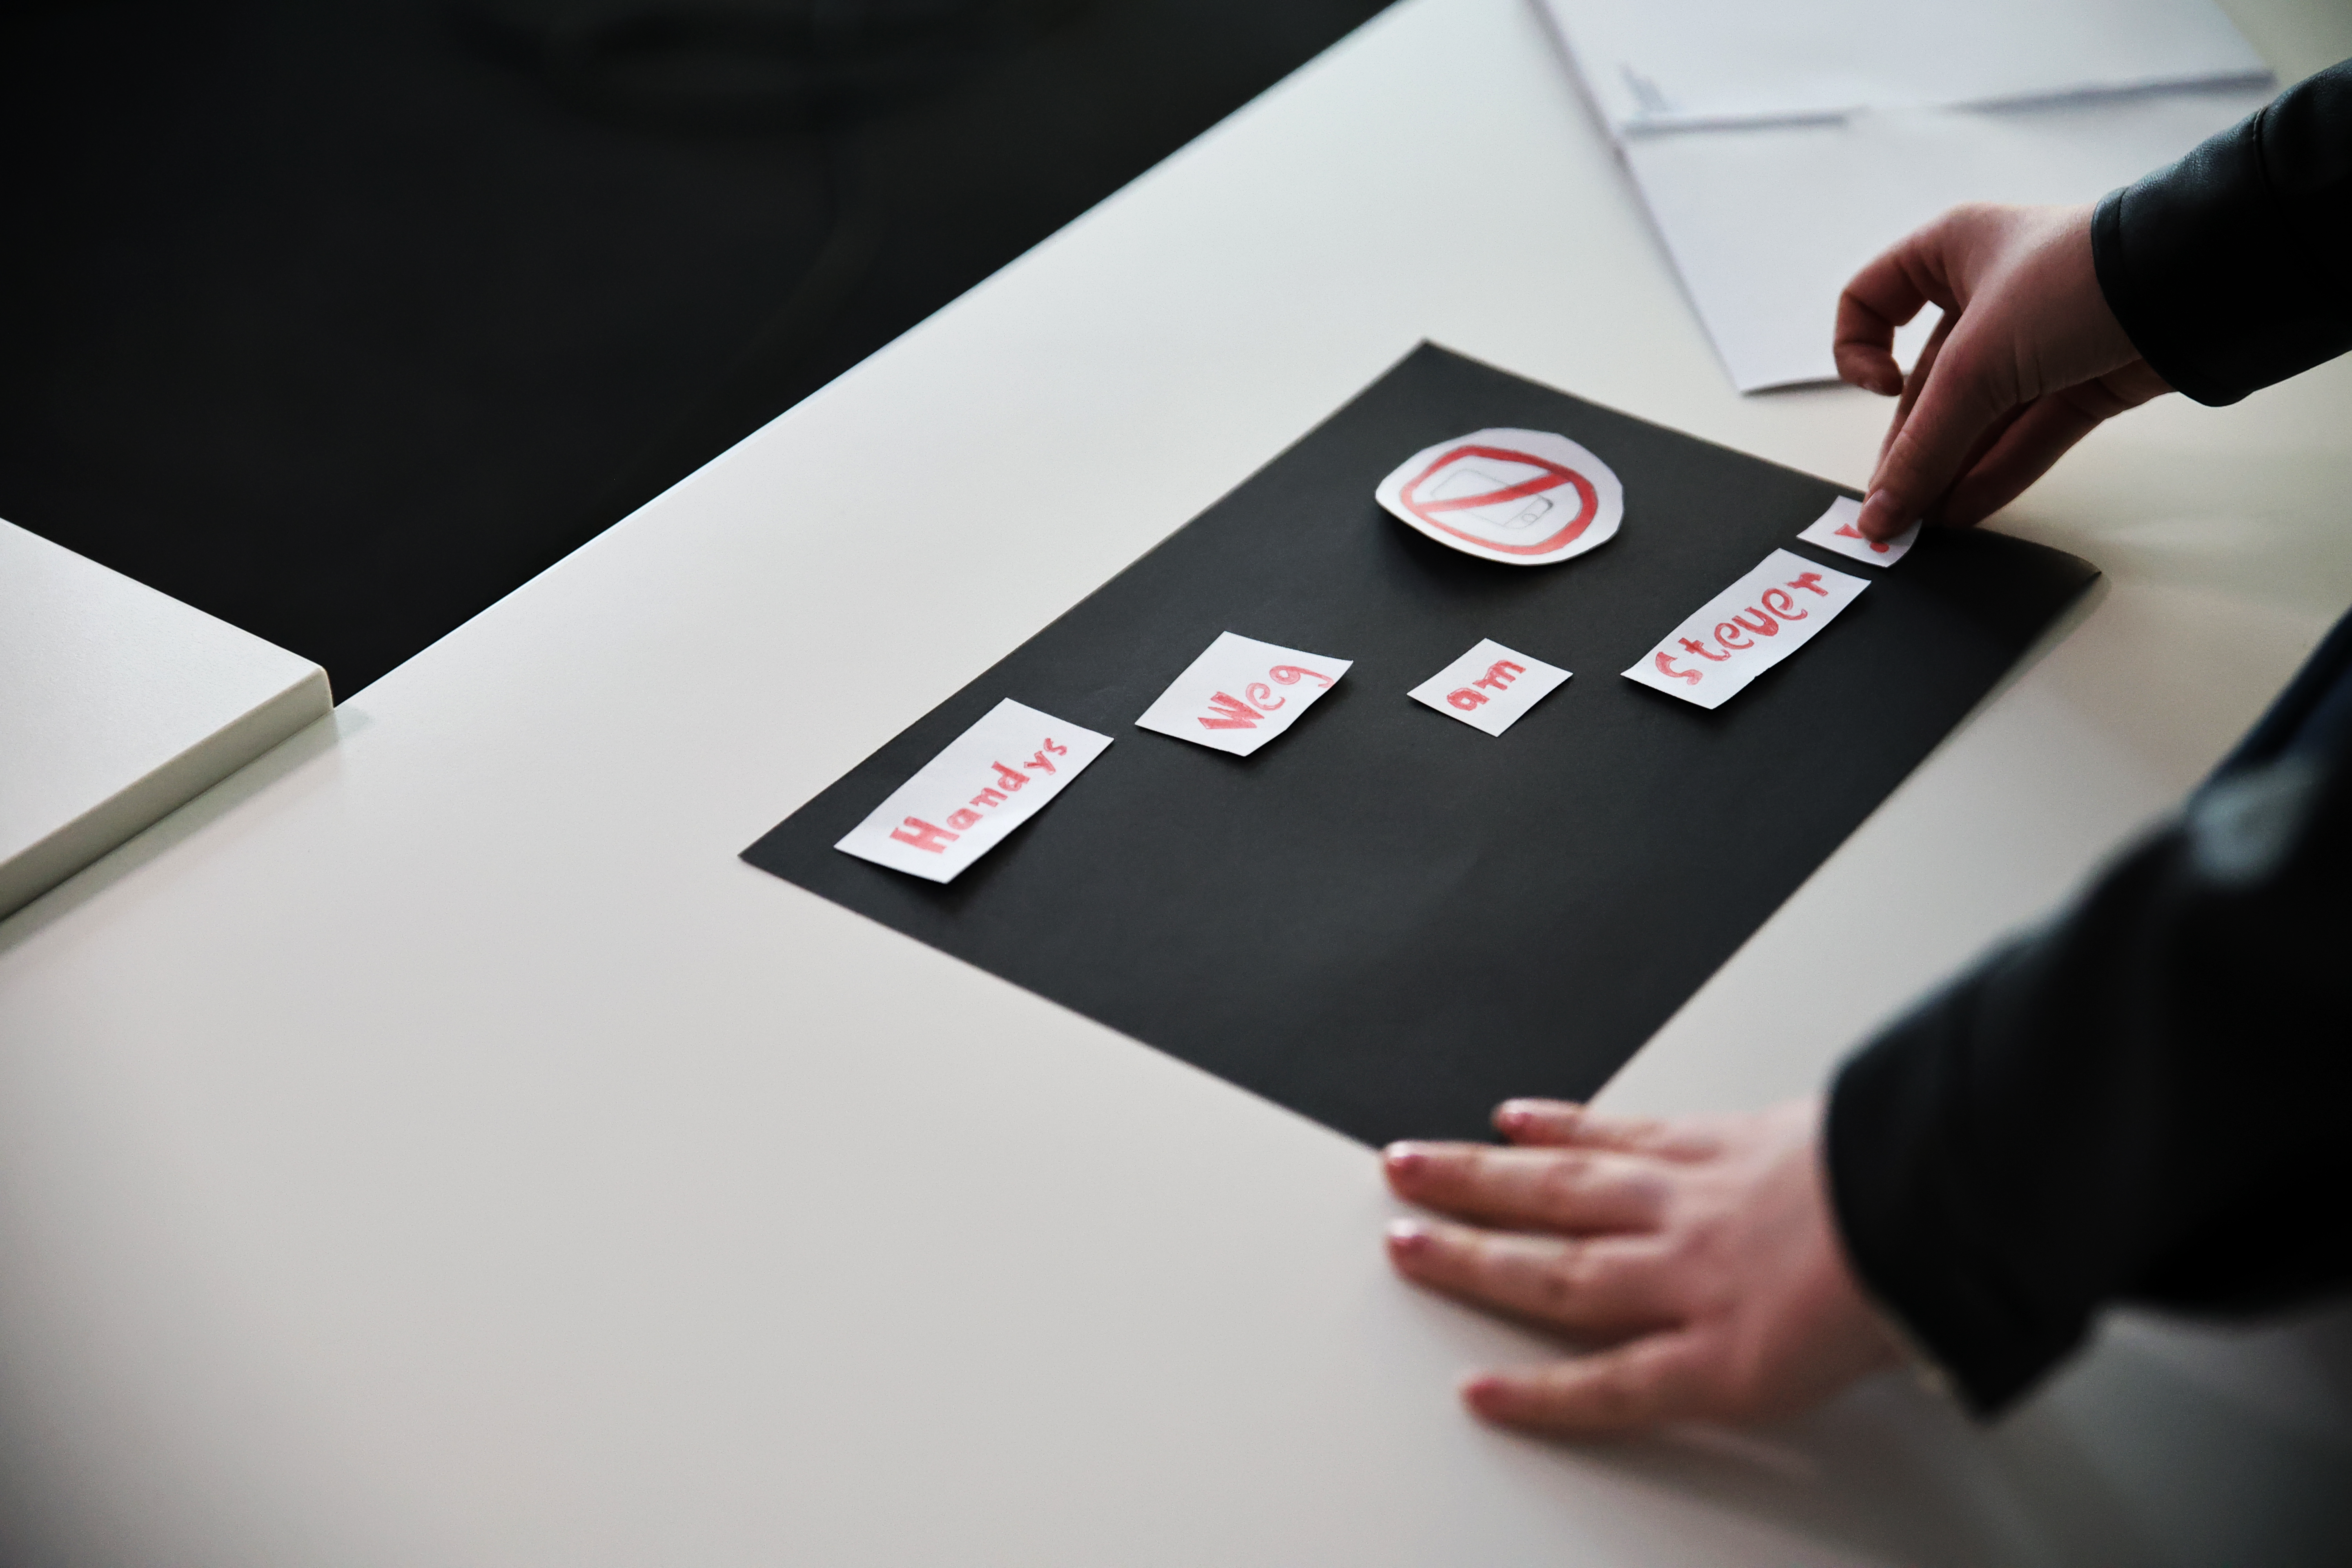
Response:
column 990, row 780
column 1525, row 498
column 1242, row 693
column 1747, row 629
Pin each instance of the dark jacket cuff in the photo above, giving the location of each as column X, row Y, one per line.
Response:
column 1896, row 1153
column 2221, row 267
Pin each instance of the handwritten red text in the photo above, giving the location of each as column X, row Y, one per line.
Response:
column 1740, row 633
column 1233, row 714
column 1498, row 678
column 1009, row 780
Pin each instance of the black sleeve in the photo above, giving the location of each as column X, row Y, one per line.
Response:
column 2232, row 268
column 2143, row 1102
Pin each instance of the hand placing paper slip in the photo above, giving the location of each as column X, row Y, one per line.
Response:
column 1835, row 530
column 1747, row 629
column 1242, row 693
column 991, row 779
column 1489, row 686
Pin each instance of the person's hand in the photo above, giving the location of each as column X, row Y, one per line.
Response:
column 1699, row 1258
column 2027, row 360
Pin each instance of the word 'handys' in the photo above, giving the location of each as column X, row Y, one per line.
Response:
column 990, row 780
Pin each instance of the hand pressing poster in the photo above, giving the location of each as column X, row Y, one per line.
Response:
column 1747, row 629
column 1525, row 498
column 1489, row 686
column 1241, row 694
column 1835, row 530
column 991, row 779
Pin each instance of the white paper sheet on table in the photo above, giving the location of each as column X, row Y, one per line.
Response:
column 1662, row 65
column 1747, row 629
column 1490, row 687
column 1766, row 224
column 990, row 780
column 1835, row 530
column 1241, row 693
column 1781, row 147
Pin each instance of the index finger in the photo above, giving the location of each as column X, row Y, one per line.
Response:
column 1894, row 287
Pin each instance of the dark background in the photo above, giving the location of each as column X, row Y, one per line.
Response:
column 340, row 318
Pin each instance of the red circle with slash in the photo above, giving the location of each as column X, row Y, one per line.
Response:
column 1552, row 477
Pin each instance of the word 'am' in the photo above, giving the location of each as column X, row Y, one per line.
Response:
column 1490, row 688
column 1498, row 678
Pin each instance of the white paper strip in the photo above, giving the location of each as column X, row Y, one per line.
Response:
column 991, row 779
column 1525, row 498
column 1747, row 629
column 1834, row 530
column 1489, row 686
column 1242, row 693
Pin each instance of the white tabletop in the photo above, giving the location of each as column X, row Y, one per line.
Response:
column 435, row 1146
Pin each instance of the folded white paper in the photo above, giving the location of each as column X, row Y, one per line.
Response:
column 1525, row 498
column 991, row 778
column 1489, row 686
column 1747, row 629
column 1242, row 693
column 1834, row 530
column 1674, row 64
column 1767, row 226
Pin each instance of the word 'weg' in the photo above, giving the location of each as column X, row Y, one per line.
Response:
column 1237, row 714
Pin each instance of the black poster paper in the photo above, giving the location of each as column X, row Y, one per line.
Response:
column 1386, row 920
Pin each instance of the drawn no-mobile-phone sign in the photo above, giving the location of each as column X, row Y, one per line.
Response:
column 1525, row 498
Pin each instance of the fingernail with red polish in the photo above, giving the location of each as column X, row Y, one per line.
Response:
column 1407, row 1236
column 1405, row 1159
